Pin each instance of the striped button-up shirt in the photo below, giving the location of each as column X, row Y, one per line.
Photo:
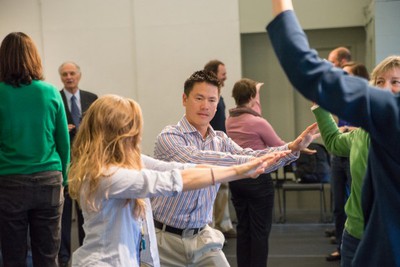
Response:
column 183, row 143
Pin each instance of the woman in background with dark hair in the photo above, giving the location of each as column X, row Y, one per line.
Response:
column 351, row 143
column 341, row 182
column 356, row 69
column 253, row 199
column 34, row 154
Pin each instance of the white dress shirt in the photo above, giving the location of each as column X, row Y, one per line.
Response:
column 77, row 95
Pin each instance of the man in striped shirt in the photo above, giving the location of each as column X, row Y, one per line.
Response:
column 183, row 235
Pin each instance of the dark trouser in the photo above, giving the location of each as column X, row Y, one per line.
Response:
column 253, row 200
column 64, row 254
column 33, row 201
column 341, row 182
column 349, row 248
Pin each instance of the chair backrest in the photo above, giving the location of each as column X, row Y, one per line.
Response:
column 313, row 168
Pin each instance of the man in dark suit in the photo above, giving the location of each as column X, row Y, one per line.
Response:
column 76, row 102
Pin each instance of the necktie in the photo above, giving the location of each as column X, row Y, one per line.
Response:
column 76, row 116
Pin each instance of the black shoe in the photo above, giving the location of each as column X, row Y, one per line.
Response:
column 334, row 256
column 63, row 264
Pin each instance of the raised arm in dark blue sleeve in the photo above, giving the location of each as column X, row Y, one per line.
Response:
column 375, row 110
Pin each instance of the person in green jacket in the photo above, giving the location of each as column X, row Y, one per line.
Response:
column 355, row 144
column 34, row 155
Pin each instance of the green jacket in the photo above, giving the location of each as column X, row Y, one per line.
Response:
column 33, row 130
column 354, row 144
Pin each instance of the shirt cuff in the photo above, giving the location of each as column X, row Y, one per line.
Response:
column 177, row 182
column 314, row 107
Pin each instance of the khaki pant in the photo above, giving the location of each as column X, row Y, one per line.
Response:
column 202, row 249
column 221, row 217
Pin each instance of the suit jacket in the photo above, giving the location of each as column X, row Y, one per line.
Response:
column 218, row 122
column 87, row 98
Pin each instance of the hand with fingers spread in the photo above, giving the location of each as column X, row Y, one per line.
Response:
column 305, row 138
column 257, row 166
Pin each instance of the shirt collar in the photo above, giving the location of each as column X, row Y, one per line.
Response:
column 68, row 95
column 186, row 127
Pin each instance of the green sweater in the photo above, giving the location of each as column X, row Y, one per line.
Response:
column 354, row 144
column 33, row 130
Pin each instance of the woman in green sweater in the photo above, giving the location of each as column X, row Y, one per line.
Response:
column 34, row 154
column 355, row 144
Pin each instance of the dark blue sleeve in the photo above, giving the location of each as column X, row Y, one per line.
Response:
column 218, row 122
column 350, row 98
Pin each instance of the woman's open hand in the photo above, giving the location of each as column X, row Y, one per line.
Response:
column 257, row 166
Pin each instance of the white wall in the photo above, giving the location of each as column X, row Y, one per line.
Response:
column 312, row 14
column 15, row 18
column 136, row 48
column 146, row 49
column 386, row 29
column 175, row 38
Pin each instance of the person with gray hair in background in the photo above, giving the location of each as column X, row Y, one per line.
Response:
column 76, row 102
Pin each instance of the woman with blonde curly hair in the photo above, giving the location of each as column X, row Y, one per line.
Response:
column 112, row 181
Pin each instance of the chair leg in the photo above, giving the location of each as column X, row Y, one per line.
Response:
column 324, row 201
column 331, row 200
column 284, row 206
column 321, row 216
column 279, row 204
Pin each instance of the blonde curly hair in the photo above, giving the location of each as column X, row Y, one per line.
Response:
column 109, row 136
